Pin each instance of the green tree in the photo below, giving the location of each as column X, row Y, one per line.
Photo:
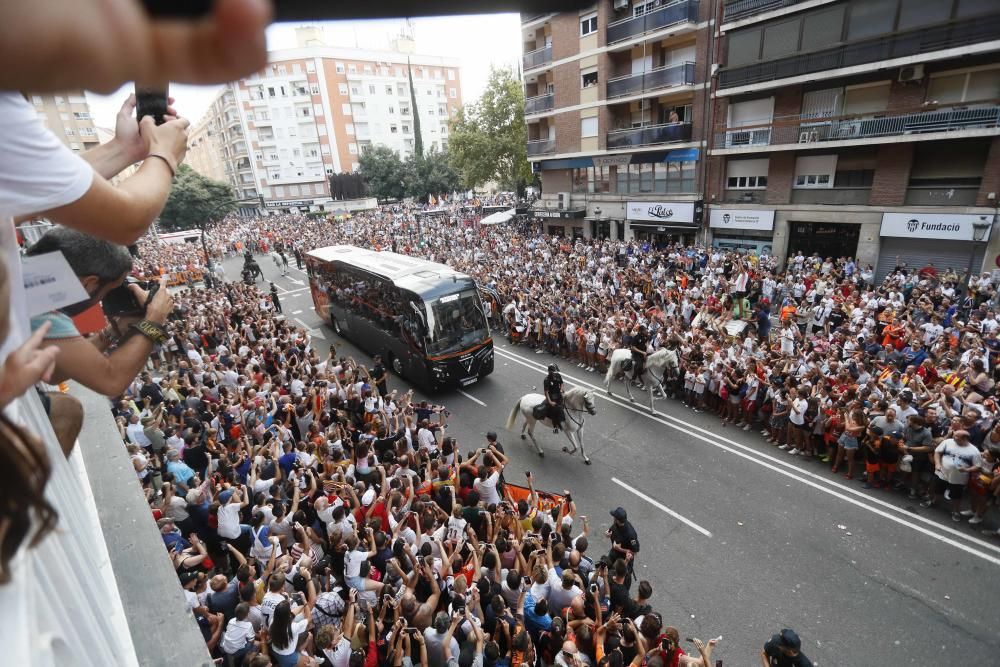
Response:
column 418, row 140
column 193, row 199
column 488, row 138
column 383, row 171
column 429, row 174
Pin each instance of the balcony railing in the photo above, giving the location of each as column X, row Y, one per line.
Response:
column 539, row 103
column 682, row 11
column 739, row 9
column 541, row 147
column 666, row 133
column 538, row 57
column 807, row 130
column 916, row 42
column 662, row 77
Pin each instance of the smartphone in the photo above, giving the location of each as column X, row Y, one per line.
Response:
column 526, row 581
column 150, row 101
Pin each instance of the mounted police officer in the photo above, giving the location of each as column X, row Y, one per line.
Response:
column 638, row 348
column 554, row 397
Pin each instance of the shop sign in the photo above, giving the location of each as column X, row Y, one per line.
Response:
column 741, row 218
column 953, row 227
column 542, row 213
column 612, row 161
column 660, row 211
column 288, row 203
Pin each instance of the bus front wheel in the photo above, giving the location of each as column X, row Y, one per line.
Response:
column 397, row 365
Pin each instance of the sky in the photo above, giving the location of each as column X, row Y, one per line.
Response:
column 476, row 41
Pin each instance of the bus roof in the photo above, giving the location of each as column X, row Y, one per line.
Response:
column 417, row 275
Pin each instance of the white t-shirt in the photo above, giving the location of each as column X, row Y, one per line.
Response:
column 487, row 488
column 238, row 633
column 229, row 521
column 797, row 415
column 954, row 457
column 268, row 603
column 339, row 655
column 298, row 627
column 352, row 562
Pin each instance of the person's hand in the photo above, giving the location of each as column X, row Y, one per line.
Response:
column 127, row 136
column 27, row 365
column 352, row 597
column 161, row 305
column 104, row 43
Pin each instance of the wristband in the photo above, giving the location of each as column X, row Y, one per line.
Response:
column 170, row 165
column 150, row 330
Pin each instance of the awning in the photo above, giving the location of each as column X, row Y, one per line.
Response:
column 498, row 218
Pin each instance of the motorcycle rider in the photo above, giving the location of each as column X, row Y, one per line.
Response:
column 554, row 397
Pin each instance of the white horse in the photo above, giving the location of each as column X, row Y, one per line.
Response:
column 660, row 366
column 576, row 403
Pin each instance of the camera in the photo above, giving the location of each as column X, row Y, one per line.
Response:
column 122, row 302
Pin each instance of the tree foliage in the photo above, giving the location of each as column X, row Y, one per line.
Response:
column 390, row 177
column 488, row 138
column 347, row 185
column 194, row 199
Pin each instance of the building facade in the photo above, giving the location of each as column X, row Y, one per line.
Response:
column 68, row 116
column 865, row 128
column 615, row 106
column 313, row 110
column 204, row 153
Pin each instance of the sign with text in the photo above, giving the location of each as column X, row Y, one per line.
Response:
column 950, row 226
column 660, row 211
column 739, row 218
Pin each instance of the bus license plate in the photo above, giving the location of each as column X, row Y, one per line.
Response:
column 467, row 381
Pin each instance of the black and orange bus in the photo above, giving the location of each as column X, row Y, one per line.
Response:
column 425, row 319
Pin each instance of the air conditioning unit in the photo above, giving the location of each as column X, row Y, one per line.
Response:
column 911, row 73
column 621, row 4
column 563, row 201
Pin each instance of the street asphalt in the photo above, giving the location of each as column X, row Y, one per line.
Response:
column 738, row 539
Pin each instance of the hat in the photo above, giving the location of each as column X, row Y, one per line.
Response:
column 187, row 577
column 491, row 435
column 619, row 514
column 225, row 496
column 789, row 639
column 368, row 498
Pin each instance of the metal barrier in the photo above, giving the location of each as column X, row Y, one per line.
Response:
column 537, row 58
column 683, row 11
column 805, row 130
column 650, row 134
column 539, row 103
column 661, row 77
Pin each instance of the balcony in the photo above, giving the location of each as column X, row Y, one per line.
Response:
column 541, row 147
column 537, row 58
column 649, row 135
column 539, row 103
column 916, row 42
column 738, row 9
column 683, row 11
column 810, row 130
column 661, row 77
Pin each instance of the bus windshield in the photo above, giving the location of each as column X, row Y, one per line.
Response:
column 455, row 322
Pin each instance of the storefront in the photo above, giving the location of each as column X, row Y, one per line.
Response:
column 561, row 223
column 664, row 223
column 827, row 239
column 748, row 230
column 280, row 206
column 946, row 241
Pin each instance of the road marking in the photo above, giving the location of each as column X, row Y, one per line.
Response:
column 293, row 280
column 659, row 505
column 296, row 312
column 911, row 521
column 472, row 398
column 303, row 324
column 296, row 291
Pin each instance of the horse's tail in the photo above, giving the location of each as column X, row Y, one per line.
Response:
column 611, row 370
column 513, row 415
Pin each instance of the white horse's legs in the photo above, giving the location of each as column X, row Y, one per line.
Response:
column 572, row 442
column 529, row 426
column 583, row 452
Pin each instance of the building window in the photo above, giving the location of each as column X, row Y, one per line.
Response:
column 70, row 132
column 399, row 71
column 452, row 93
column 588, row 127
column 368, row 69
column 588, row 79
column 340, row 68
column 310, row 66
column 349, row 129
column 355, row 90
column 406, row 129
column 388, row 90
column 588, row 24
column 352, row 69
column 75, row 146
column 815, row 171
column 282, row 71
column 342, row 88
column 746, row 182
column 451, row 75
column 86, row 131
column 37, row 100
column 355, row 166
column 854, row 178
column 747, row 174
column 392, row 111
column 345, row 109
column 352, row 148
column 371, row 89
column 270, row 91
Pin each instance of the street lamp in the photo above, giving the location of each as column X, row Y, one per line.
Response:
column 979, row 231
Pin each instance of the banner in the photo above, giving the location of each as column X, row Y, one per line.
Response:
column 660, row 211
column 955, row 227
column 546, row 501
column 740, row 218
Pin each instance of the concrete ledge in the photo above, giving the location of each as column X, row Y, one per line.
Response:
column 163, row 631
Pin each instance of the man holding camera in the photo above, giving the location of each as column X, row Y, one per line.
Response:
column 101, row 268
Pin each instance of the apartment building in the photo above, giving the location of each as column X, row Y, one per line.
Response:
column 68, row 116
column 314, row 110
column 866, row 128
column 205, row 151
column 616, row 109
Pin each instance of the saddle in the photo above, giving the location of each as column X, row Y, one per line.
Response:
column 540, row 411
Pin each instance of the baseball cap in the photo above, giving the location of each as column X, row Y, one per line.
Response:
column 225, row 496
column 491, row 435
column 368, row 498
column 790, row 639
column 619, row 514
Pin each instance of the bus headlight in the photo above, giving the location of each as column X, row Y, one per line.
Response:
column 440, row 372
